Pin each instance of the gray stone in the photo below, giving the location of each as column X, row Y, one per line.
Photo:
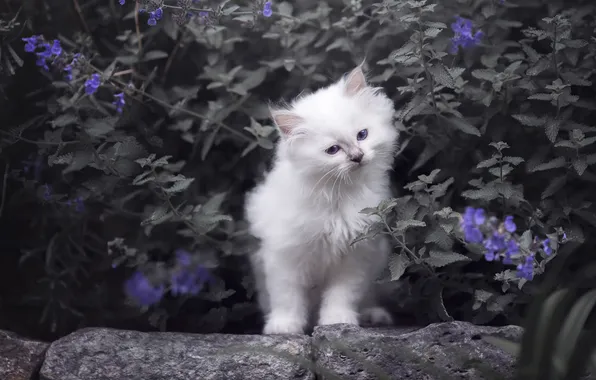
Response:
column 108, row 354
column 452, row 350
column 20, row 358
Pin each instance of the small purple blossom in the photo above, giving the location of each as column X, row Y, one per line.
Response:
column 463, row 37
column 121, row 2
column 139, row 288
column 92, row 84
column 546, row 247
column 155, row 16
column 526, row 269
column 188, row 279
column 509, row 224
column 512, row 249
column 79, row 205
column 479, row 217
column 472, row 235
column 119, row 101
column 470, row 226
column 267, row 11
column 47, row 193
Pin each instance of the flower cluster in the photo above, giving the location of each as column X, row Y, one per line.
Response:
column 156, row 13
column 50, row 51
column 500, row 241
column 119, row 101
column 77, row 202
column 267, row 11
column 463, row 37
column 57, row 57
column 92, row 84
column 186, row 278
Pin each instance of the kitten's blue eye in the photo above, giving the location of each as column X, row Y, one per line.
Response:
column 362, row 134
column 332, row 149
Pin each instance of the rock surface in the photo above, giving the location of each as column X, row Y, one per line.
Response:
column 107, row 354
column 20, row 358
column 451, row 350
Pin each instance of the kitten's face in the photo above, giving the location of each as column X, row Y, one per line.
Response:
column 338, row 132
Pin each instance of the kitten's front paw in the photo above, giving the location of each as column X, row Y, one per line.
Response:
column 283, row 325
column 339, row 315
column 376, row 316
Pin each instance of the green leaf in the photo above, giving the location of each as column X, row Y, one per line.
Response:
column 154, row 54
column 531, row 120
column 403, row 225
column 486, row 194
column 488, row 163
column 441, row 75
column 64, row 120
column 430, row 178
column 463, row 126
column 440, row 237
column 580, row 165
column 398, row 265
column 558, row 162
column 439, row 259
column 99, row 127
column 179, row 186
column 160, row 215
column 80, row 160
column 552, row 129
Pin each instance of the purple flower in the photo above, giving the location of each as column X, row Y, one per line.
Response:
column 188, row 279
column 512, row 249
column 92, row 84
column 79, row 205
column 468, row 217
column 140, row 289
column 56, row 48
column 122, row 2
column 491, row 256
column 463, row 37
column 479, row 217
column 267, row 11
column 119, row 101
column 47, row 194
column 509, row 224
column 526, row 270
column 31, row 43
column 472, row 235
column 546, row 247
column 183, row 257
column 495, row 243
column 155, row 16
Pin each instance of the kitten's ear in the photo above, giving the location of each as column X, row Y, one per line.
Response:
column 355, row 81
column 285, row 120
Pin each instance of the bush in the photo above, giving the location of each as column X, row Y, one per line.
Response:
column 131, row 136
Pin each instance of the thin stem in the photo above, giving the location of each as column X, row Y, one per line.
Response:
column 183, row 110
column 38, row 142
column 81, row 17
column 4, row 189
column 399, row 242
column 137, row 27
column 431, row 81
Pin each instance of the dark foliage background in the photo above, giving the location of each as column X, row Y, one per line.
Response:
column 91, row 196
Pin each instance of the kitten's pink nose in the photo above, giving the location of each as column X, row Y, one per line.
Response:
column 356, row 157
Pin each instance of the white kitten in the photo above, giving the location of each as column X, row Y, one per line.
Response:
column 336, row 147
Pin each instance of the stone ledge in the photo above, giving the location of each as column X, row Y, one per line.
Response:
column 439, row 351
column 20, row 358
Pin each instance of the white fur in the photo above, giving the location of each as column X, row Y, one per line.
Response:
column 307, row 211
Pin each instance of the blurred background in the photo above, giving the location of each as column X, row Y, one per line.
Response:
column 130, row 132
